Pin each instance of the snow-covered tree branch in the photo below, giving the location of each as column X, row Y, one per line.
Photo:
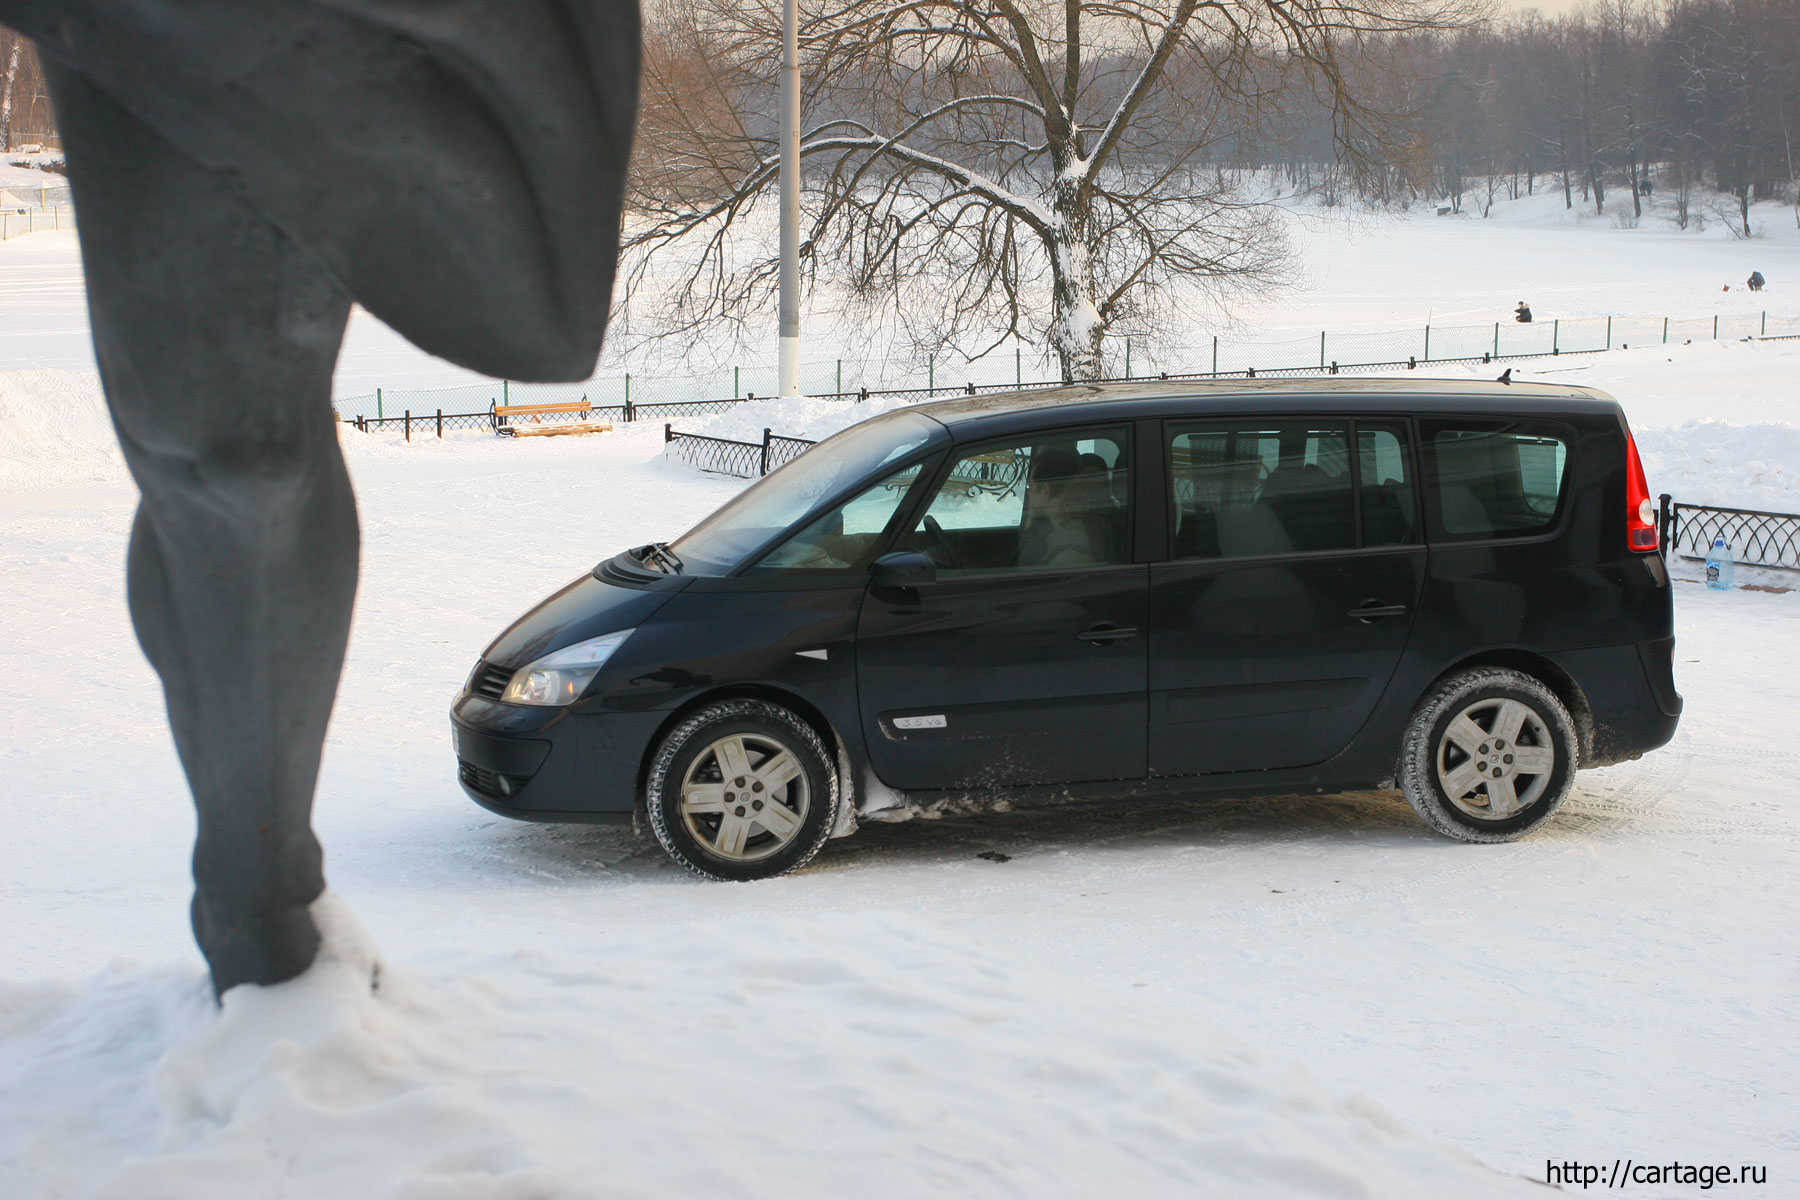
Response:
column 991, row 167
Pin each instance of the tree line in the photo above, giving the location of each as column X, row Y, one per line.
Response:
column 1063, row 170
column 1611, row 103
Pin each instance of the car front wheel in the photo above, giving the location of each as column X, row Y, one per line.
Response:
column 741, row 790
column 1489, row 755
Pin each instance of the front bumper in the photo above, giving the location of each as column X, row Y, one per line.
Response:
column 550, row 764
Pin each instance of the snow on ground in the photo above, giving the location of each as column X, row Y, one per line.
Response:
column 1270, row 997
column 569, row 1012
column 534, row 1036
column 1359, row 271
column 833, row 1054
column 1415, row 268
column 18, row 166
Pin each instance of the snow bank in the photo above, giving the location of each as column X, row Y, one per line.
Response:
column 1715, row 462
column 54, row 430
column 829, row 1056
column 799, row 416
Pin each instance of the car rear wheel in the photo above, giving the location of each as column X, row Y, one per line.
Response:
column 1489, row 755
column 742, row 790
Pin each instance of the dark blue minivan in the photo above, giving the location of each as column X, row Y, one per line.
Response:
column 1112, row 590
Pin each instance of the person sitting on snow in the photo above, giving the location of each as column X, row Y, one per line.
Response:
column 1756, row 281
column 1522, row 314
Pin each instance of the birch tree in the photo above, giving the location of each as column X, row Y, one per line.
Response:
column 1012, row 168
column 7, row 81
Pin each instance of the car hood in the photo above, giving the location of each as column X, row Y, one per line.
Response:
column 586, row 608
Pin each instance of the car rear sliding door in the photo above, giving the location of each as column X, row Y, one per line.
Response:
column 1296, row 561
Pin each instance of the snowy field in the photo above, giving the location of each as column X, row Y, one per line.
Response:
column 1356, row 271
column 1296, row 996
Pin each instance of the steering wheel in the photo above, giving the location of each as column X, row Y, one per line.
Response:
column 939, row 547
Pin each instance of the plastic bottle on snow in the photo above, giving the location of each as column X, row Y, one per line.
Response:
column 1719, row 565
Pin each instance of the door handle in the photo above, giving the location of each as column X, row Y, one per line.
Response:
column 1105, row 631
column 1373, row 610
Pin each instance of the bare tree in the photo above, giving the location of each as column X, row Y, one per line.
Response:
column 13, row 55
column 25, row 114
column 1002, row 167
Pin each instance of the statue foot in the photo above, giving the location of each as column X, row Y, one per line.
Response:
column 266, row 947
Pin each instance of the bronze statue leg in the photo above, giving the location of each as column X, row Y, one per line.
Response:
column 216, row 336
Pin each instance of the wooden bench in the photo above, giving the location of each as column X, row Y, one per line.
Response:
column 535, row 412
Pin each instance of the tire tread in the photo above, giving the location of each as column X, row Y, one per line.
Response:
column 1417, row 774
column 679, row 737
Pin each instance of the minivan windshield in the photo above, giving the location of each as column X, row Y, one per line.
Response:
column 721, row 543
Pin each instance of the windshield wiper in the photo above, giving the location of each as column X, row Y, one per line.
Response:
column 659, row 554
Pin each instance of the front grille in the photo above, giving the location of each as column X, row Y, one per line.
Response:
column 489, row 680
column 489, row 783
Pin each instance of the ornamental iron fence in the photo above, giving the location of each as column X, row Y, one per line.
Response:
column 1759, row 539
column 723, row 456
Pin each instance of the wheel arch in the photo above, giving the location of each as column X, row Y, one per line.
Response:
column 1545, row 672
column 803, row 708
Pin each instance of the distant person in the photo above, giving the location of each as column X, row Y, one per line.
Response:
column 1756, row 281
column 1522, row 314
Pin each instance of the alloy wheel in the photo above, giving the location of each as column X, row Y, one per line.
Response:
column 1495, row 758
column 745, row 797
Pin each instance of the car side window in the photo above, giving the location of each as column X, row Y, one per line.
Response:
column 1058, row 500
column 1390, row 514
column 1253, row 487
column 844, row 536
column 1494, row 479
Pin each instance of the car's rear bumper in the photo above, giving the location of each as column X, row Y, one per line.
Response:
column 1631, row 696
column 550, row 764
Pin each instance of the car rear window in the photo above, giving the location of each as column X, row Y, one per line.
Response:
column 1494, row 479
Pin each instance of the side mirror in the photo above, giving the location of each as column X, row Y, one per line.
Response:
column 903, row 569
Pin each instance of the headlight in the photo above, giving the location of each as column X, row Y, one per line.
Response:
column 558, row 679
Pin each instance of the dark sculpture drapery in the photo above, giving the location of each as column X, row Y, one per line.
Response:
column 242, row 173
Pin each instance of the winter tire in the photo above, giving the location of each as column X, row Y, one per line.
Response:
column 742, row 790
column 1489, row 754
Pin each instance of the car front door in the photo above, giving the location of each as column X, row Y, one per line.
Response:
column 1294, row 571
column 1025, row 661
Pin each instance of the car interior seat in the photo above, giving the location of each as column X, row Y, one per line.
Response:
column 1463, row 510
column 1314, row 509
column 1252, row 530
column 1387, row 515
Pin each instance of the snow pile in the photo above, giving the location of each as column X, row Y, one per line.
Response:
column 37, row 164
column 54, row 430
column 1716, row 462
column 867, row 1055
column 798, row 417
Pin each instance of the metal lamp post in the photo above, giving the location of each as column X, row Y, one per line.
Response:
column 789, row 361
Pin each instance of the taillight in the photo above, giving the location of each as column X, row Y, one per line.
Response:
column 1640, row 513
